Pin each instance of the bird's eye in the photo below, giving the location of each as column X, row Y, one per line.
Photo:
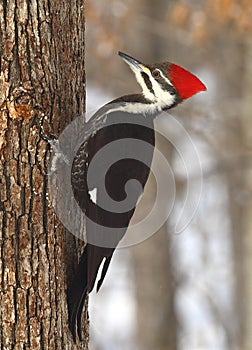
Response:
column 156, row 73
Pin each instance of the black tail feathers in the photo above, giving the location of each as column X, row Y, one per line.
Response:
column 77, row 295
column 84, row 281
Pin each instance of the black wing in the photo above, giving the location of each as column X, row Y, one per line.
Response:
column 123, row 151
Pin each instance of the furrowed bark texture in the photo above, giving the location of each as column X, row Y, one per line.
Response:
column 42, row 65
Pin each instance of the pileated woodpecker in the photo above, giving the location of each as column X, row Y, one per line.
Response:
column 130, row 117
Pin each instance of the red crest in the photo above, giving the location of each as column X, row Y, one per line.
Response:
column 186, row 83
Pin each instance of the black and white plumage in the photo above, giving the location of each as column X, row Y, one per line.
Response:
column 127, row 118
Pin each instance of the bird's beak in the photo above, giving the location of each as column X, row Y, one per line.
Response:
column 134, row 64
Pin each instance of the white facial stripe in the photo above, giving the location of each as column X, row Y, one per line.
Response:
column 164, row 97
column 147, row 93
column 165, row 78
column 160, row 99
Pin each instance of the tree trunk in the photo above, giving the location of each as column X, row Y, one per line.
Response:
column 42, row 65
column 247, row 207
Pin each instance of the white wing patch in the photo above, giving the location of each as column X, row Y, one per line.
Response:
column 93, row 195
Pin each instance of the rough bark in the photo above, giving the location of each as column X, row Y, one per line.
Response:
column 41, row 70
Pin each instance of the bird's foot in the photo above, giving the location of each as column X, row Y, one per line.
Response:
column 54, row 143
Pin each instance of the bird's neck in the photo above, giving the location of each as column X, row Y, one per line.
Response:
column 136, row 104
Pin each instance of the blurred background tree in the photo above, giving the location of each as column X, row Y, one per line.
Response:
column 192, row 290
